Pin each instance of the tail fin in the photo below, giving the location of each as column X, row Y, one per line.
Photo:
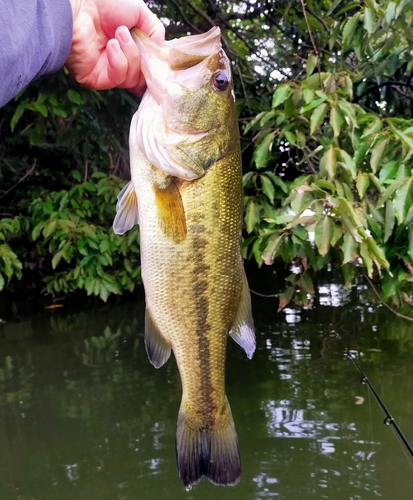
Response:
column 210, row 452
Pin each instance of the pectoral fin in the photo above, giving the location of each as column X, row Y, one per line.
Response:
column 243, row 329
column 171, row 211
column 126, row 210
column 157, row 347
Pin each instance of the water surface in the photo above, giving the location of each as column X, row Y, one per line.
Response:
column 85, row 416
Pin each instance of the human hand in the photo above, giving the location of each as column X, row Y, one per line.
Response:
column 103, row 54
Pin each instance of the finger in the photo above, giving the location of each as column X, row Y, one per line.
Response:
column 138, row 89
column 117, row 65
column 131, row 52
column 150, row 24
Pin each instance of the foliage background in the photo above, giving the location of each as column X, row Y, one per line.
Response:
column 324, row 93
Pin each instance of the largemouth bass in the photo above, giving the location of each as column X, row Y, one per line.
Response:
column 186, row 194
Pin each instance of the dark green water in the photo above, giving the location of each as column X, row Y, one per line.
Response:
column 85, row 418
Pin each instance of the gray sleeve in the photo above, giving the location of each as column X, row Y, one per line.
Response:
column 35, row 39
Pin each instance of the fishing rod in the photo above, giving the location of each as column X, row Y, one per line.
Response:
column 389, row 420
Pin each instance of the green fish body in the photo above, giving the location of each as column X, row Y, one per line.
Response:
column 186, row 194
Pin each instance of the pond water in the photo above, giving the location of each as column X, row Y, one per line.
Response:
column 85, row 416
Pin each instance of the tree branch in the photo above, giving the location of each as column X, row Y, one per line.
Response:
column 29, row 172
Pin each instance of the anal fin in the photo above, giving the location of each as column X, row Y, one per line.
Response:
column 126, row 210
column 157, row 347
column 171, row 213
column 242, row 330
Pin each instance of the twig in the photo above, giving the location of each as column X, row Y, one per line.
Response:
column 312, row 39
column 263, row 295
column 319, row 19
column 193, row 26
column 241, row 79
column 384, row 303
column 29, row 172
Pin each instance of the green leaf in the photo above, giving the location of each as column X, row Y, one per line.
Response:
column 348, row 86
column 39, row 107
column 410, row 239
column 313, row 104
column 285, row 297
column 389, row 221
column 251, row 218
column 49, row 228
column 104, row 245
column 267, row 187
column 348, row 163
column 349, row 110
column 104, row 292
column 349, row 273
column 349, row 218
column 281, row 94
column 262, row 151
column 349, row 29
column 267, row 117
column 325, row 185
column 389, row 15
column 291, row 138
column 323, row 233
column 77, row 175
column 311, row 64
column 377, row 252
column 337, row 234
column 349, row 248
column 374, row 180
column 336, row 120
column 59, row 111
column 306, row 283
column 388, row 171
column 369, row 20
column 277, row 181
column 317, row 117
column 403, row 137
column 74, row 96
column 270, row 251
column 308, row 95
column 403, row 200
column 254, row 121
column 56, row 259
column 330, row 161
column 300, row 201
column 17, row 114
column 363, row 182
column 374, row 127
column 389, row 191
column 367, row 261
column 2, row 282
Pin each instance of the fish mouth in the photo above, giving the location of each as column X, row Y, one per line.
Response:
column 182, row 53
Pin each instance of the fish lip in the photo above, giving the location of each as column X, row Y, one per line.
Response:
column 181, row 53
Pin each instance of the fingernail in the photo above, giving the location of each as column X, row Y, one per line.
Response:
column 116, row 46
column 124, row 34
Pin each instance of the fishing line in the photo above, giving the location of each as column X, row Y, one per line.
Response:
column 389, row 420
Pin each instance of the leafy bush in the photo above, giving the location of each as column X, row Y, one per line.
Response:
column 71, row 244
column 350, row 202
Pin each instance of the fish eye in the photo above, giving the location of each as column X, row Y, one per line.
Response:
column 219, row 80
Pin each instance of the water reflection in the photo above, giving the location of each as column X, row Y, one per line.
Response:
column 83, row 414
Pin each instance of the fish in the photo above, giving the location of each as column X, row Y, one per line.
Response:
column 186, row 195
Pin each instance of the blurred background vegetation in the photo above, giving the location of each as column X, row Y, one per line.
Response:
column 324, row 95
